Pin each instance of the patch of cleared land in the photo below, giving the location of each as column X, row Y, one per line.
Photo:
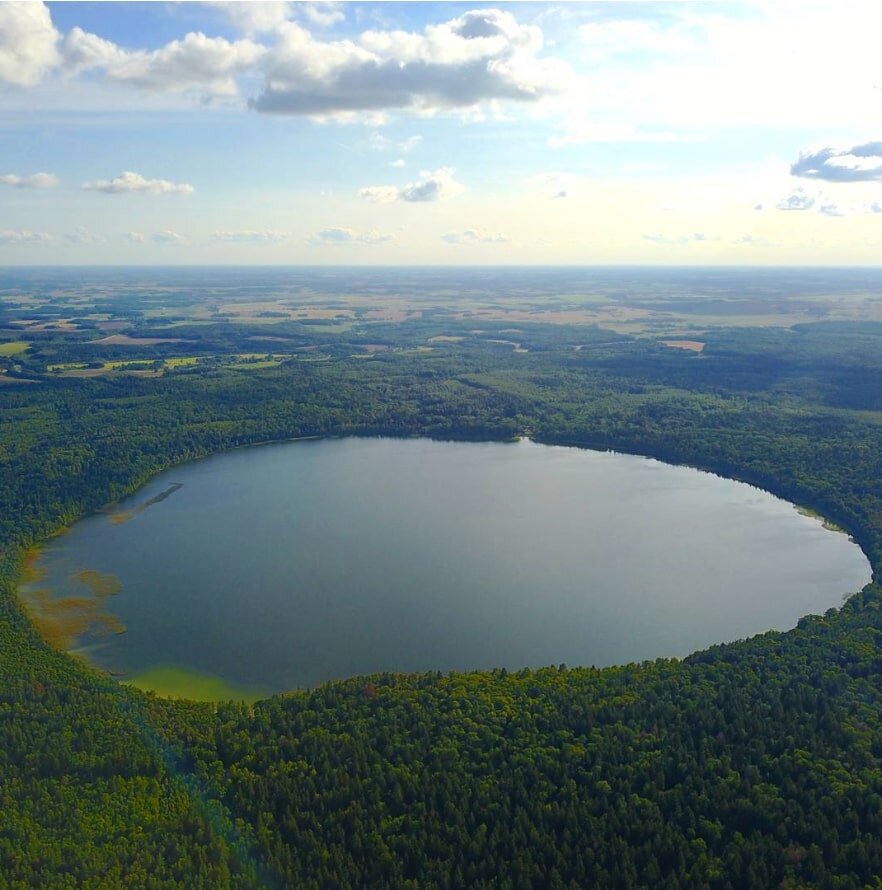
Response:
column 14, row 347
column 126, row 340
column 691, row 345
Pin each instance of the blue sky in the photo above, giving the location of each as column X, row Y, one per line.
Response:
column 390, row 133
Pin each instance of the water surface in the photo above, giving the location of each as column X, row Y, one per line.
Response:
column 286, row 565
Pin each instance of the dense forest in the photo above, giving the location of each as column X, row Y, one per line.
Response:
column 757, row 763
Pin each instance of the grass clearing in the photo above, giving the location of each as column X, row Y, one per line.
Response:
column 14, row 347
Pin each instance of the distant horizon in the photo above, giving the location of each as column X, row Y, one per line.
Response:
column 475, row 266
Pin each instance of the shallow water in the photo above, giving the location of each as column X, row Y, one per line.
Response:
column 289, row 564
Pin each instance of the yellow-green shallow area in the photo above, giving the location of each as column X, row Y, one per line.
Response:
column 170, row 681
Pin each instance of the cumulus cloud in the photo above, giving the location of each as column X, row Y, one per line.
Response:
column 322, row 13
column 821, row 203
column 251, row 237
column 128, row 181
column 20, row 236
column 135, row 237
column 254, row 18
column 209, row 64
column 437, row 186
column 34, row 181
column 381, row 194
column 166, row 236
column 83, row 51
column 480, row 56
column 798, row 199
column 475, row 236
column 831, row 208
column 863, row 163
column 400, row 162
column 28, row 43
column 345, row 235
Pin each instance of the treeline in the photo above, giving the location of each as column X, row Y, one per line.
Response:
column 755, row 764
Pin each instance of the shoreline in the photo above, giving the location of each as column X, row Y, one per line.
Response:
column 110, row 623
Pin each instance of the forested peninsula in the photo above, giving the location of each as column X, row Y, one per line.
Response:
column 757, row 763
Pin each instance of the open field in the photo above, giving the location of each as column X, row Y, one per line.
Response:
column 14, row 347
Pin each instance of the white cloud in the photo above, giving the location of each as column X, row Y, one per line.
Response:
column 798, row 199
column 475, row 236
column 19, row 236
column 28, row 43
column 254, row 17
column 135, row 237
column 863, row 163
column 480, row 56
column 344, row 235
column 166, row 236
column 613, row 38
column 437, row 186
column 831, row 208
column 34, row 181
column 398, row 163
column 259, row 17
column 251, row 237
column 322, row 14
column 83, row 51
column 381, row 194
column 827, row 205
column 134, row 182
column 681, row 70
column 209, row 64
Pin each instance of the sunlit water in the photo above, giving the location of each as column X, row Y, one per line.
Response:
column 286, row 565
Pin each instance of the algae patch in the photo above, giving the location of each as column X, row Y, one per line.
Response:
column 62, row 621
column 118, row 517
column 31, row 573
column 172, row 681
column 826, row 523
column 99, row 583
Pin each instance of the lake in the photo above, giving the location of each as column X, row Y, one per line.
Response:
column 272, row 567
